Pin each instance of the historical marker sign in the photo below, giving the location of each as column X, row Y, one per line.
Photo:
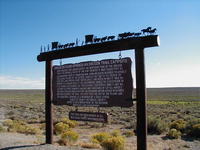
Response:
column 95, row 83
column 70, row 88
column 88, row 116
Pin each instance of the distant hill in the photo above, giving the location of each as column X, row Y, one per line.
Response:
column 180, row 94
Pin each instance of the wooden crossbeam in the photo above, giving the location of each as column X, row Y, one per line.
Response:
column 97, row 48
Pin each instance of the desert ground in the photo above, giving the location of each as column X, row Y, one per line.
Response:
column 168, row 109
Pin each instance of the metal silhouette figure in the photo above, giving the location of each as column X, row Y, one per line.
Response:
column 71, row 44
column 48, row 49
column 76, row 42
column 82, row 43
column 103, row 39
column 41, row 49
column 91, row 39
column 125, row 35
column 44, row 49
column 111, row 37
column 146, row 30
column 54, row 45
column 137, row 34
column 60, row 46
column 66, row 45
column 152, row 31
column 97, row 39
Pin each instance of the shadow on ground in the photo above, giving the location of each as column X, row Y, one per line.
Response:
column 20, row 146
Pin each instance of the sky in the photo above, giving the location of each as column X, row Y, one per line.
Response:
column 25, row 25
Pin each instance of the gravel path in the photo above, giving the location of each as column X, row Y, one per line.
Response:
column 16, row 141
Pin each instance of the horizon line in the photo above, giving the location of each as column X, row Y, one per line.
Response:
column 133, row 88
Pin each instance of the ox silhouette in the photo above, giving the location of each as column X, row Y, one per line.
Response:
column 103, row 39
column 137, row 34
column 110, row 37
column 125, row 35
column 71, row 44
column 97, row 39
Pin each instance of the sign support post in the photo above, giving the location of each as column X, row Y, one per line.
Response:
column 48, row 103
column 141, row 100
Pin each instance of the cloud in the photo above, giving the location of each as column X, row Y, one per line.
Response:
column 10, row 82
column 174, row 76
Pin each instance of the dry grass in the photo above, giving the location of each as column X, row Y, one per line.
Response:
column 164, row 104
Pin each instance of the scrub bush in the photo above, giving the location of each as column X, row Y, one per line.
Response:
column 70, row 123
column 128, row 133
column 173, row 134
column 20, row 127
column 114, row 143
column 68, row 137
column 61, row 128
column 100, row 137
column 27, row 129
column 1, row 128
column 116, row 133
column 8, row 123
column 156, row 126
column 179, row 125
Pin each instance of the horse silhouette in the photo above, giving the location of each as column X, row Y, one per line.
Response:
column 146, row 30
column 152, row 31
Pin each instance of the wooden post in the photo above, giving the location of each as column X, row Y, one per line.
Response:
column 141, row 100
column 48, row 103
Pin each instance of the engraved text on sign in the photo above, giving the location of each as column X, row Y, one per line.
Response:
column 94, row 83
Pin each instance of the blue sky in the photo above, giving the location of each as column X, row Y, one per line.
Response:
column 25, row 25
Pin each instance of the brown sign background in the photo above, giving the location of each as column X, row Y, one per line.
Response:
column 94, row 83
column 88, row 116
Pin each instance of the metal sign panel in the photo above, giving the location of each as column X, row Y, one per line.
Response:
column 88, row 116
column 102, row 83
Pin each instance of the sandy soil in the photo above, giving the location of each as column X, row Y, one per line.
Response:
column 16, row 141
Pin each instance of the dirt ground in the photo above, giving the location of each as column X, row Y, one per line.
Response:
column 16, row 141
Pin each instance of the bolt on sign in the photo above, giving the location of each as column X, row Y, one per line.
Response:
column 102, row 83
column 88, row 116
